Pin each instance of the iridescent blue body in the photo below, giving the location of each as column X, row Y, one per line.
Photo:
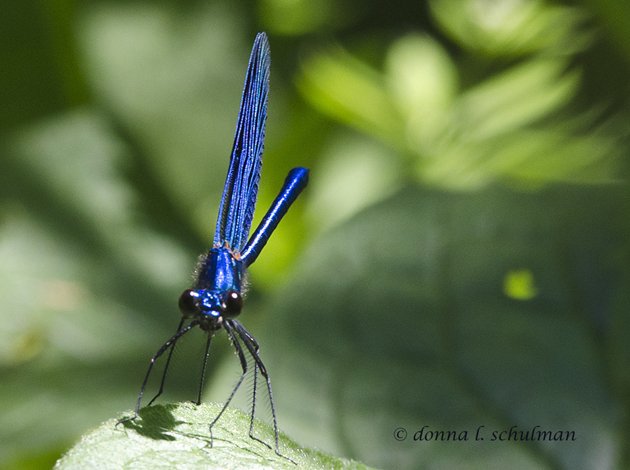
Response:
column 223, row 269
column 219, row 272
column 216, row 296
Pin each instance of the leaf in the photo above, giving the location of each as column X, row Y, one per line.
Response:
column 615, row 18
column 88, row 297
column 401, row 318
column 298, row 18
column 512, row 28
column 532, row 157
column 515, row 98
column 514, row 125
column 344, row 87
column 423, row 83
column 39, row 61
column 177, row 436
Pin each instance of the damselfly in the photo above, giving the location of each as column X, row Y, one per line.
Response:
column 216, row 297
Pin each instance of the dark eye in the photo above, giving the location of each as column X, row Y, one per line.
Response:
column 233, row 304
column 188, row 303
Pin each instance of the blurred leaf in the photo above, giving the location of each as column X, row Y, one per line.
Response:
column 618, row 347
column 177, row 436
column 169, row 77
column 35, row 461
column 512, row 126
column 515, row 98
column 532, row 157
column 545, row 154
column 423, row 82
column 296, row 17
column 414, row 328
column 615, row 18
column 349, row 90
column 39, row 62
column 90, row 290
column 519, row 284
column 352, row 174
column 512, row 28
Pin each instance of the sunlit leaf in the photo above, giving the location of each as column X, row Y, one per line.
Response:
column 352, row 174
column 349, row 90
column 512, row 28
column 494, row 130
column 514, row 99
column 423, row 82
column 177, row 436
column 533, row 157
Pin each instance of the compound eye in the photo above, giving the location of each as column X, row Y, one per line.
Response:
column 188, row 303
column 233, row 303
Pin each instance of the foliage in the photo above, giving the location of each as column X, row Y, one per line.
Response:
column 178, row 436
column 501, row 127
column 419, row 325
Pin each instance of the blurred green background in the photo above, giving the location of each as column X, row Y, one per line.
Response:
column 460, row 257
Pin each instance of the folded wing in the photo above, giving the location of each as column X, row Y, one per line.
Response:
column 241, row 185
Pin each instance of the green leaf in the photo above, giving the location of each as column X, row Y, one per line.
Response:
column 344, row 87
column 298, row 17
column 512, row 28
column 40, row 71
column 89, row 297
column 177, row 436
column 512, row 126
column 515, row 98
column 531, row 156
column 423, row 82
column 400, row 318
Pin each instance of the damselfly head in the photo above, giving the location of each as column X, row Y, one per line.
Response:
column 209, row 307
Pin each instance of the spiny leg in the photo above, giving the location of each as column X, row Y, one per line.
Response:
column 203, row 368
column 155, row 357
column 252, row 346
column 242, row 331
column 168, row 362
column 241, row 356
column 253, row 413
